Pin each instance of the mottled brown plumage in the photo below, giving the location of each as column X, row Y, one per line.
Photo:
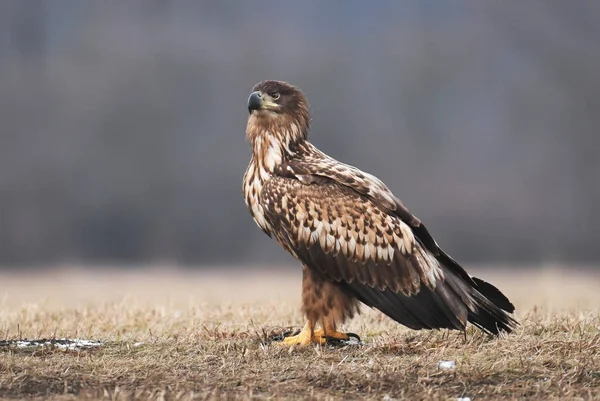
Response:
column 356, row 240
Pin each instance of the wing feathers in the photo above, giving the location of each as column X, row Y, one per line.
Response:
column 426, row 310
column 443, row 307
column 365, row 245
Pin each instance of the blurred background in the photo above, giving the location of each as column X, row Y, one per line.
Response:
column 122, row 123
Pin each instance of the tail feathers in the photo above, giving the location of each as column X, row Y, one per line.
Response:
column 493, row 294
column 492, row 305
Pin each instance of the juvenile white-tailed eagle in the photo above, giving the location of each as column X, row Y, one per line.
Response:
column 356, row 240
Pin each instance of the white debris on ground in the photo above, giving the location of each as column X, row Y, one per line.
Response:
column 71, row 344
column 354, row 341
column 463, row 399
column 387, row 398
column 447, row 365
column 138, row 344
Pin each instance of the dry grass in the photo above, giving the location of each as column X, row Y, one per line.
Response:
column 203, row 336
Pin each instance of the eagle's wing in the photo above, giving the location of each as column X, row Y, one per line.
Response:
column 316, row 165
column 347, row 236
column 354, row 231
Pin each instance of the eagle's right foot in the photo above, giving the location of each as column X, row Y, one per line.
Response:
column 304, row 338
column 307, row 335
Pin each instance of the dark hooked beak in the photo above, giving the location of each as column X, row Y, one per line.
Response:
column 254, row 101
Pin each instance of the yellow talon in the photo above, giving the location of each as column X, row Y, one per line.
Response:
column 307, row 336
column 304, row 338
column 334, row 335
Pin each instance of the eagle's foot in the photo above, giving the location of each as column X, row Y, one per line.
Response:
column 319, row 336
column 305, row 337
column 335, row 337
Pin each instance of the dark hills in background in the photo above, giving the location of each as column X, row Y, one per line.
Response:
column 122, row 122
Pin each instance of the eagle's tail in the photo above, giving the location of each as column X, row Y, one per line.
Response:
column 492, row 307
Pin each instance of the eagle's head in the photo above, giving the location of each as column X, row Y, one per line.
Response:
column 279, row 110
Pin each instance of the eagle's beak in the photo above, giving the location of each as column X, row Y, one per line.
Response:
column 260, row 101
column 254, row 101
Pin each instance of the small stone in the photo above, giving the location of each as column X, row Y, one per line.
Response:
column 447, row 365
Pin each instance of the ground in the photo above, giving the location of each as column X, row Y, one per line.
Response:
column 171, row 334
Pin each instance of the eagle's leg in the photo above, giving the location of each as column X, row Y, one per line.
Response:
column 325, row 302
column 329, row 331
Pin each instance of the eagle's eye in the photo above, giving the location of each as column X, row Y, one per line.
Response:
column 275, row 95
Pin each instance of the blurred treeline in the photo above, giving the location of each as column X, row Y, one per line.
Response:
column 122, row 122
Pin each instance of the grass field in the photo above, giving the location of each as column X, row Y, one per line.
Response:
column 178, row 335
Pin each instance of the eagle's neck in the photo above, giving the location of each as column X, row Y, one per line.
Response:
column 269, row 150
column 272, row 142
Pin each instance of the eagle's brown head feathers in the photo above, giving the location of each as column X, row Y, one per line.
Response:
column 279, row 110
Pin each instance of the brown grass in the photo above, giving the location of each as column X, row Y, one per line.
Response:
column 203, row 338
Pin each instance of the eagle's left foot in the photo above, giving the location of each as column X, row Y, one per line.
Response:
column 340, row 338
column 319, row 336
column 306, row 336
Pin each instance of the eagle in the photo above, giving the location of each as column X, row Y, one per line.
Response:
column 356, row 241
